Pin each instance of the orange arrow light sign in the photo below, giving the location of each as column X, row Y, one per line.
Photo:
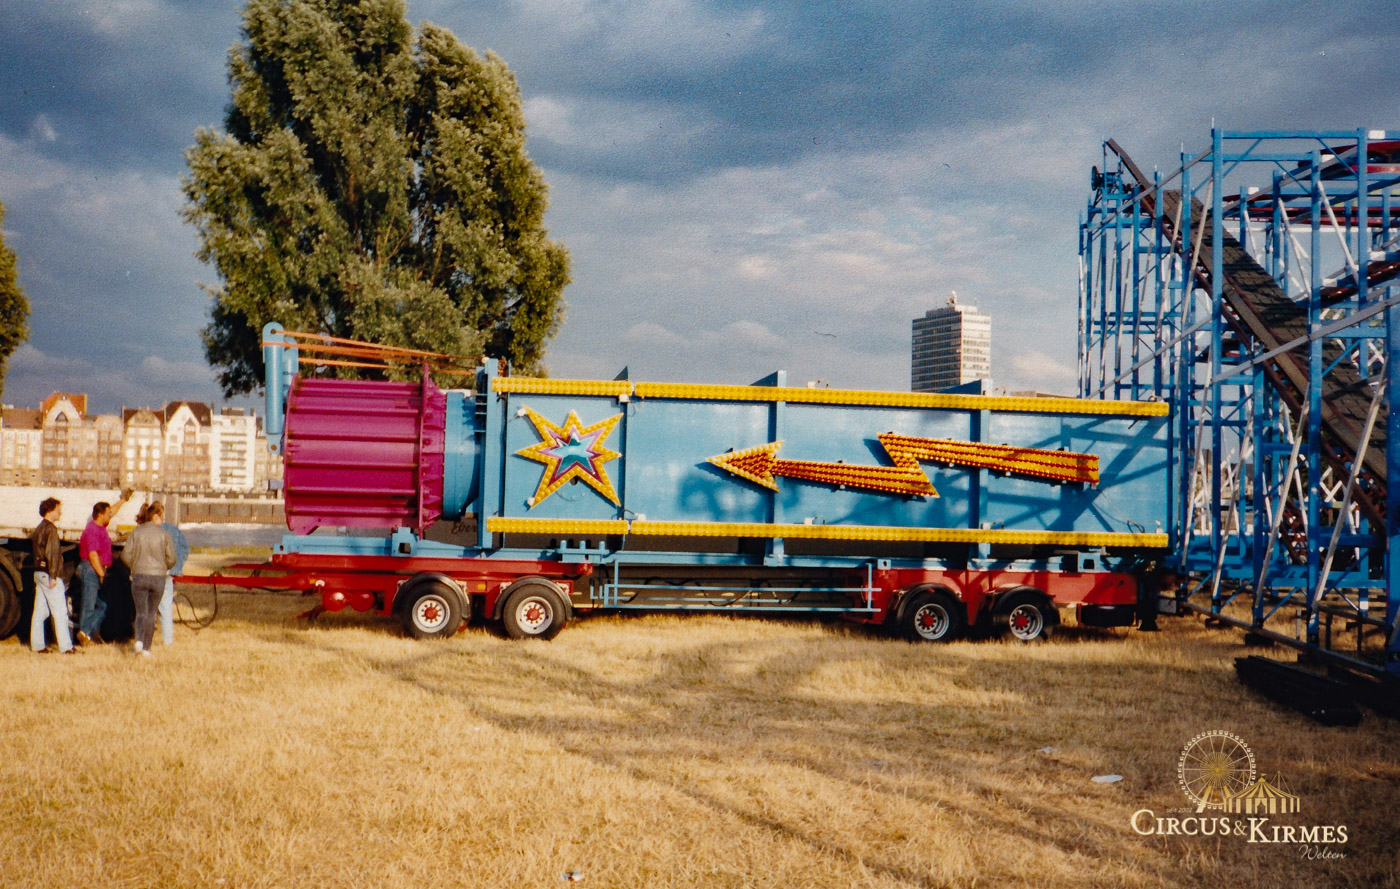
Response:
column 761, row 465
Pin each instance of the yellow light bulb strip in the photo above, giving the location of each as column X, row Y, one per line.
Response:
column 539, row 386
column 854, row 397
column 618, row 527
column 860, row 397
column 567, row 527
column 885, row 533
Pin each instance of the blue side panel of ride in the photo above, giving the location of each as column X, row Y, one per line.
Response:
column 669, row 478
column 663, row 471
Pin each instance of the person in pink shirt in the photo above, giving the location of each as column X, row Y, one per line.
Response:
column 95, row 557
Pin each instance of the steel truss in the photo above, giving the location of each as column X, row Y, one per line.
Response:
column 1270, row 334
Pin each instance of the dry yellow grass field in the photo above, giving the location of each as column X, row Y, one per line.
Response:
column 653, row 752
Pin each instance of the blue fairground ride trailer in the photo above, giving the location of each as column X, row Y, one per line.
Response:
column 925, row 513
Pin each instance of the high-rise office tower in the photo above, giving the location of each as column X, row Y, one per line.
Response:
column 952, row 346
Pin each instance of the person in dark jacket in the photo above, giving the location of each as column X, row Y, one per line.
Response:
column 150, row 554
column 50, row 596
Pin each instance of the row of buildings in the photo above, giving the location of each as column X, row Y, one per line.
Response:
column 184, row 447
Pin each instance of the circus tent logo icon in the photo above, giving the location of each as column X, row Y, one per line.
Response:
column 1263, row 797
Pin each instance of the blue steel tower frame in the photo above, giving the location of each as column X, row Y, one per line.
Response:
column 1256, row 287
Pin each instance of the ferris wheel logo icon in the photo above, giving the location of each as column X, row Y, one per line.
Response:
column 1215, row 767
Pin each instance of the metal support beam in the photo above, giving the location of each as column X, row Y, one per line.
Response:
column 1232, row 310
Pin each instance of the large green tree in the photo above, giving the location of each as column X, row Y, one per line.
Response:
column 373, row 184
column 14, row 306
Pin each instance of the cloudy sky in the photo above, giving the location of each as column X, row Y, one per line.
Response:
column 743, row 186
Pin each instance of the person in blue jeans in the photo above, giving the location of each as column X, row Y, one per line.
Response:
column 95, row 557
column 167, row 600
column 50, row 597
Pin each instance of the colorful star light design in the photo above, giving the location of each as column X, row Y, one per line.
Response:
column 573, row 451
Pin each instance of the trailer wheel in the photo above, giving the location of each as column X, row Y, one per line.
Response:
column 10, row 607
column 1027, row 614
column 933, row 616
column 432, row 610
column 534, row 611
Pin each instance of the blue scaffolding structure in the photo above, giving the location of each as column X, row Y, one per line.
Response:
column 1270, row 335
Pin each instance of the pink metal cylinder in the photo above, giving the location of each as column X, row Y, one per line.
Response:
column 363, row 454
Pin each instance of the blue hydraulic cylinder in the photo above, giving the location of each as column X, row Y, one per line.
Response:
column 280, row 358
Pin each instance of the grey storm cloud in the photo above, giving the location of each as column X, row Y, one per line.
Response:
column 742, row 186
column 127, row 82
column 766, row 83
column 123, row 84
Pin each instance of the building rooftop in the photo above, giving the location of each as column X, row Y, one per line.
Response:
column 198, row 408
column 78, row 400
column 130, row 413
column 22, row 418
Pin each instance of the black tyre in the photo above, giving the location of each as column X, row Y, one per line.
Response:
column 1026, row 614
column 432, row 610
column 10, row 608
column 534, row 611
column 933, row 616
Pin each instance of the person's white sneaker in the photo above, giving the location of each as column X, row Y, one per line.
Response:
column 144, row 653
column 137, row 647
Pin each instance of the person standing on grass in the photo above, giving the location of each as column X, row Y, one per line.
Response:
column 166, row 610
column 49, row 594
column 149, row 553
column 95, row 551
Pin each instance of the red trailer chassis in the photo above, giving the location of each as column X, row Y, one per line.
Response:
column 434, row 595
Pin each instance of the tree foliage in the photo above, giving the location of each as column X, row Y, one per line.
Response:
column 372, row 184
column 14, row 306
